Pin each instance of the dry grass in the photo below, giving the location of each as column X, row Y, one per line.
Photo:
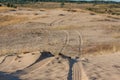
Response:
column 109, row 47
column 114, row 17
column 17, row 50
column 4, row 9
column 116, row 35
column 52, row 5
column 9, row 19
column 113, row 9
column 113, row 29
column 100, row 49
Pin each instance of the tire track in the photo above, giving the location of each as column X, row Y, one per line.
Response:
column 83, row 73
column 62, row 19
column 2, row 59
column 62, row 49
column 23, row 60
column 66, row 42
column 38, row 66
column 80, row 43
column 7, row 62
column 55, row 68
column 71, row 61
column 76, row 72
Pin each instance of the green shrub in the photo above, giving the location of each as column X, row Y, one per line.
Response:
column 8, row 5
column 0, row 5
column 62, row 4
column 11, row 5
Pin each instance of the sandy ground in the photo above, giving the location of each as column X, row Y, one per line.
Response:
column 29, row 49
column 44, row 30
column 104, row 67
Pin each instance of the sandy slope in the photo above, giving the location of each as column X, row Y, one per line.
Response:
column 44, row 67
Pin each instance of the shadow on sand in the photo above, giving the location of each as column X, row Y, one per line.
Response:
column 5, row 76
column 44, row 55
column 71, row 63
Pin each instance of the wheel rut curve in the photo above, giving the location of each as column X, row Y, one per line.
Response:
column 76, row 71
column 7, row 62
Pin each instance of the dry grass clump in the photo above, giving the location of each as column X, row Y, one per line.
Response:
column 4, row 9
column 105, row 19
column 115, row 29
column 18, row 49
column 71, row 10
column 101, row 49
column 52, row 5
column 114, row 17
column 113, row 9
column 92, row 13
column 116, row 35
column 9, row 19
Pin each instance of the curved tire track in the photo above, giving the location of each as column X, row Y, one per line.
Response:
column 78, row 71
column 62, row 19
column 38, row 66
column 80, row 43
column 2, row 59
column 66, row 41
column 7, row 62
column 23, row 61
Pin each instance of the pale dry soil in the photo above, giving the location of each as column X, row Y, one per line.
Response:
column 28, row 38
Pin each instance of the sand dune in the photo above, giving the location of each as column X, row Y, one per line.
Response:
column 36, row 65
column 18, row 62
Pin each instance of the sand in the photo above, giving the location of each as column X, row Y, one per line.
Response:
column 30, row 50
column 103, row 67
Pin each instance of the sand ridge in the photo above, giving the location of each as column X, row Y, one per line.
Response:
column 57, row 67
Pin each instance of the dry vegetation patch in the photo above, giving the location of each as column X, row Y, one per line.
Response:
column 115, row 29
column 101, row 49
column 113, row 9
column 9, row 19
column 4, row 9
column 114, row 17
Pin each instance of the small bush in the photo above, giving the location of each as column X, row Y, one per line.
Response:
column 92, row 14
column 11, row 5
column 8, row 5
column 114, row 6
column 0, row 5
column 14, row 6
column 62, row 4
